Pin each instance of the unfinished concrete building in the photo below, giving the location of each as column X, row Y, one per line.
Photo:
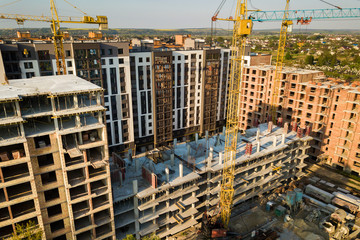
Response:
column 105, row 63
column 54, row 166
column 309, row 98
column 171, row 195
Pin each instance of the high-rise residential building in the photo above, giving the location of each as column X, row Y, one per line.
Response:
column 177, row 94
column 103, row 63
column 307, row 97
column 54, row 160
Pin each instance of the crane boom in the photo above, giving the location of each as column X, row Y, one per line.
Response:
column 58, row 37
column 101, row 20
column 242, row 28
column 294, row 15
column 286, row 23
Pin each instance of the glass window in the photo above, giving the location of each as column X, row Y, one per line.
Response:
column 45, row 66
column 44, row 55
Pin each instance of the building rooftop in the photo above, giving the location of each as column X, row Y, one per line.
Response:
column 49, row 85
column 199, row 160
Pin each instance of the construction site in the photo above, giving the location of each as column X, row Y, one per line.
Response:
column 206, row 142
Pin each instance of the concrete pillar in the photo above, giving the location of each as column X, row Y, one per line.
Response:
column 136, row 210
column 258, row 146
column 258, row 134
column 188, row 150
column 283, row 138
column 172, row 159
column 270, row 126
column 224, row 130
column 135, row 187
column 129, row 155
column 175, row 142
column 181, row 169
column 274, row 141
column 167, row 172
column 220, row 158
column 286, row 127
column 211, row 154
column 217, row 143
column 196, row 137
column 137, row 165
column 121, row 178
column 206, row 135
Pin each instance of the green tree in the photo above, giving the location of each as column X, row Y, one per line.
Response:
column 152, row 237
column 309, row 59
column 28, row 231
column 220, row 39
column 130, row 237
column 288, row 56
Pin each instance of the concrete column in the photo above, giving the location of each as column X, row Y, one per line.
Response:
column 136, row 210
column 258, row 146
column 206, row 135
column 274, row 141
column 80, row 138
column 283, row 138
column 137, row 165
column 129, row 154
column 121, row 177
column 76, row 103
column 196, row 137
column 286, row 128
column 224, row 130
column 270, row 126
column 211, row 154
column 167, row 172
column 188, row 150
column 135, row 187
column 172, row 159
column 258, row 134
column 217, row 143
column 181, row 169
column 175, row 142
column 220, row 158
column 98, row 98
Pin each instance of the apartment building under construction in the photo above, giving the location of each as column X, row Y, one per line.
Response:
column 171, row 194
column 104, row 63
column 54, row 160
column 308, row 98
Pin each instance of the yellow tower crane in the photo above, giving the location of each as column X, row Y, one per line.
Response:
column 242, row 28
column 58, row 36
column 286, row 26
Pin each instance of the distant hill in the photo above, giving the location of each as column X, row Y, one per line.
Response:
column 137, row 32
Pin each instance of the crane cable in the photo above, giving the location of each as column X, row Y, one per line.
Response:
column 331, row 4
column 7, row 4
column 76, row 7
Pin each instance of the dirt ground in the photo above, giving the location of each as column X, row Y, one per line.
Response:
column 295, row 230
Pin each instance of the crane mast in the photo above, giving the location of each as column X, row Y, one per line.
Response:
column 58, row 40
column 285, row 26
column 242, row 28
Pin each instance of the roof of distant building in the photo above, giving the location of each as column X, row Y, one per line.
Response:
column 50, row 85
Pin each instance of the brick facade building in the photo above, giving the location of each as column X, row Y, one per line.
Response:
column 307, row 97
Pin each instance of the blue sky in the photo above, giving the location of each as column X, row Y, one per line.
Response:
column 168, row 14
